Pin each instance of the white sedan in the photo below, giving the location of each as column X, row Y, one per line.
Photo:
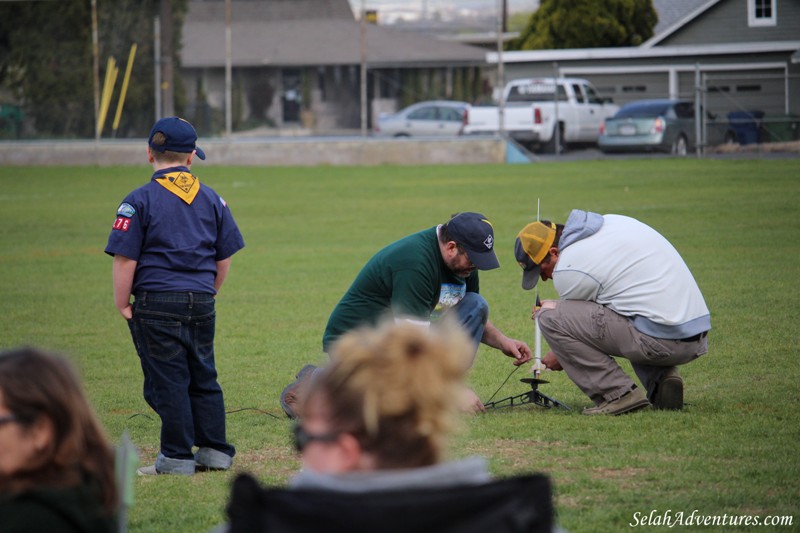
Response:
column 431, row 118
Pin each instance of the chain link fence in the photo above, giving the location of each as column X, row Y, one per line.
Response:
column 758, row 107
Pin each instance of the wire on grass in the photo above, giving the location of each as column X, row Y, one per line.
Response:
column 252, row 409
column 501, row 385
column 227, row 412
column 140, row 414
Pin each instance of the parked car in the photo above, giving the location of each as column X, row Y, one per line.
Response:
column 435, row 117
column 663, row 125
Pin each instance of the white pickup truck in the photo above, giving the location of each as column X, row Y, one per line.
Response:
column 536, row 108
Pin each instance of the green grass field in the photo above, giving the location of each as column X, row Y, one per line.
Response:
column 733, row 451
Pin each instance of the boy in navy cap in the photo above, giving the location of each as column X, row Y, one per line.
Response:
column 419, row 278
column 172, row 242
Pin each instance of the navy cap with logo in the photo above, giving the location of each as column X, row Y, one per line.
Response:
column 179, row 134
column 475, row 234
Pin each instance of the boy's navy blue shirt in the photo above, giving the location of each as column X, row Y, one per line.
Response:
column 175, row 240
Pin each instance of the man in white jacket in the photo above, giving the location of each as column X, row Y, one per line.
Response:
column 624, row 291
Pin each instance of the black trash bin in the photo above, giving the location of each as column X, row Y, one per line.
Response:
column 746, row 125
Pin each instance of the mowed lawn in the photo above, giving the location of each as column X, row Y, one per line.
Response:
column 733, row 451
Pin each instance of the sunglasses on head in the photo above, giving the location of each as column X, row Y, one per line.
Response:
column 302, row 437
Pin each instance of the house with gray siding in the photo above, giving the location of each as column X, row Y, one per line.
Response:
column 743, row 53
column 297, row 62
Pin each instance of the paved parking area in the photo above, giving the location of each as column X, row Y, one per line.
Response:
column 761, row 151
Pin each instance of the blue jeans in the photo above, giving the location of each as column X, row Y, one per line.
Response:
column 174, row 338
column 473, row 313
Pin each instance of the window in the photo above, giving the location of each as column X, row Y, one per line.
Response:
column 450, row 114
column 423, row 113
column 321, row 71
column 643, row 110
column 762, row 12
column 536, row 92
column 578, row 94
column 748, row 88
column 684, row 110
column 593, row 96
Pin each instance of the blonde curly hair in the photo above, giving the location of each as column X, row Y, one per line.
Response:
column 396, row 388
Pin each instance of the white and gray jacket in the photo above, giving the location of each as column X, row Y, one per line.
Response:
column 619, row 262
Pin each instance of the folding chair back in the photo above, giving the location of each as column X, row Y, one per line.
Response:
column 513, row 505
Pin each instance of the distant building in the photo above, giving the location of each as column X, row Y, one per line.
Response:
column 745, row 53
column 297, row 63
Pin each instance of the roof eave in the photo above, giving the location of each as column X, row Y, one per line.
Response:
column 655, row 39
column 580, row 54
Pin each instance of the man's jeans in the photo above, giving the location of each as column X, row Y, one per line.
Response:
column 174, row 338
column 472, row 313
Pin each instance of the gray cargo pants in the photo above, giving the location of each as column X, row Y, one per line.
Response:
column 584, row 335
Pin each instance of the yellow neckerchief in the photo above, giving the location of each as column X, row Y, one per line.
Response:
column 182, row 184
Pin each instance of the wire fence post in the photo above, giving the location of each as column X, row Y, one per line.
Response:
column 698, row 110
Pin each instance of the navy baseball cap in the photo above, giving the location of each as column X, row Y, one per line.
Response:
column 180, row 136
column 475, row 234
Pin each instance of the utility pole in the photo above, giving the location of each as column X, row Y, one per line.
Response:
column 157, row 65
column 167, row 68
column 96, row 71
column 698, row 109
column 501, row 114
column 363, row 47
column 557, row 130
column 228, row 71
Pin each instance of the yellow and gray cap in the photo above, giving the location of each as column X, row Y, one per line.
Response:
column 532, row 246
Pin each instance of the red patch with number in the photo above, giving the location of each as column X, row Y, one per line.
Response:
column 122, row 223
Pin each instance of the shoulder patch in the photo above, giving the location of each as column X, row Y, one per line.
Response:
column 224, row 203
column 126, row 210
column 122, row 224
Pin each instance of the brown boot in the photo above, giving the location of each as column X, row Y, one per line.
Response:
column 668, row 393
column 631, row 401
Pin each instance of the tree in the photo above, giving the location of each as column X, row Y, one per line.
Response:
column 46, row 62
column 587, row 24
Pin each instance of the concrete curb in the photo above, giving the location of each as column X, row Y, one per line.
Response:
column 269, row 152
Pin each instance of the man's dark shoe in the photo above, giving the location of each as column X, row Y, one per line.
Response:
column 292, row 391
column 631, row 401
column 668, row 393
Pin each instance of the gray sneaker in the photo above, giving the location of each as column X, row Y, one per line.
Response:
column 148, row 471
column 668, row 393
column 292, row 391
column 166, row 465
column 631, row 401
column 209, row 459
